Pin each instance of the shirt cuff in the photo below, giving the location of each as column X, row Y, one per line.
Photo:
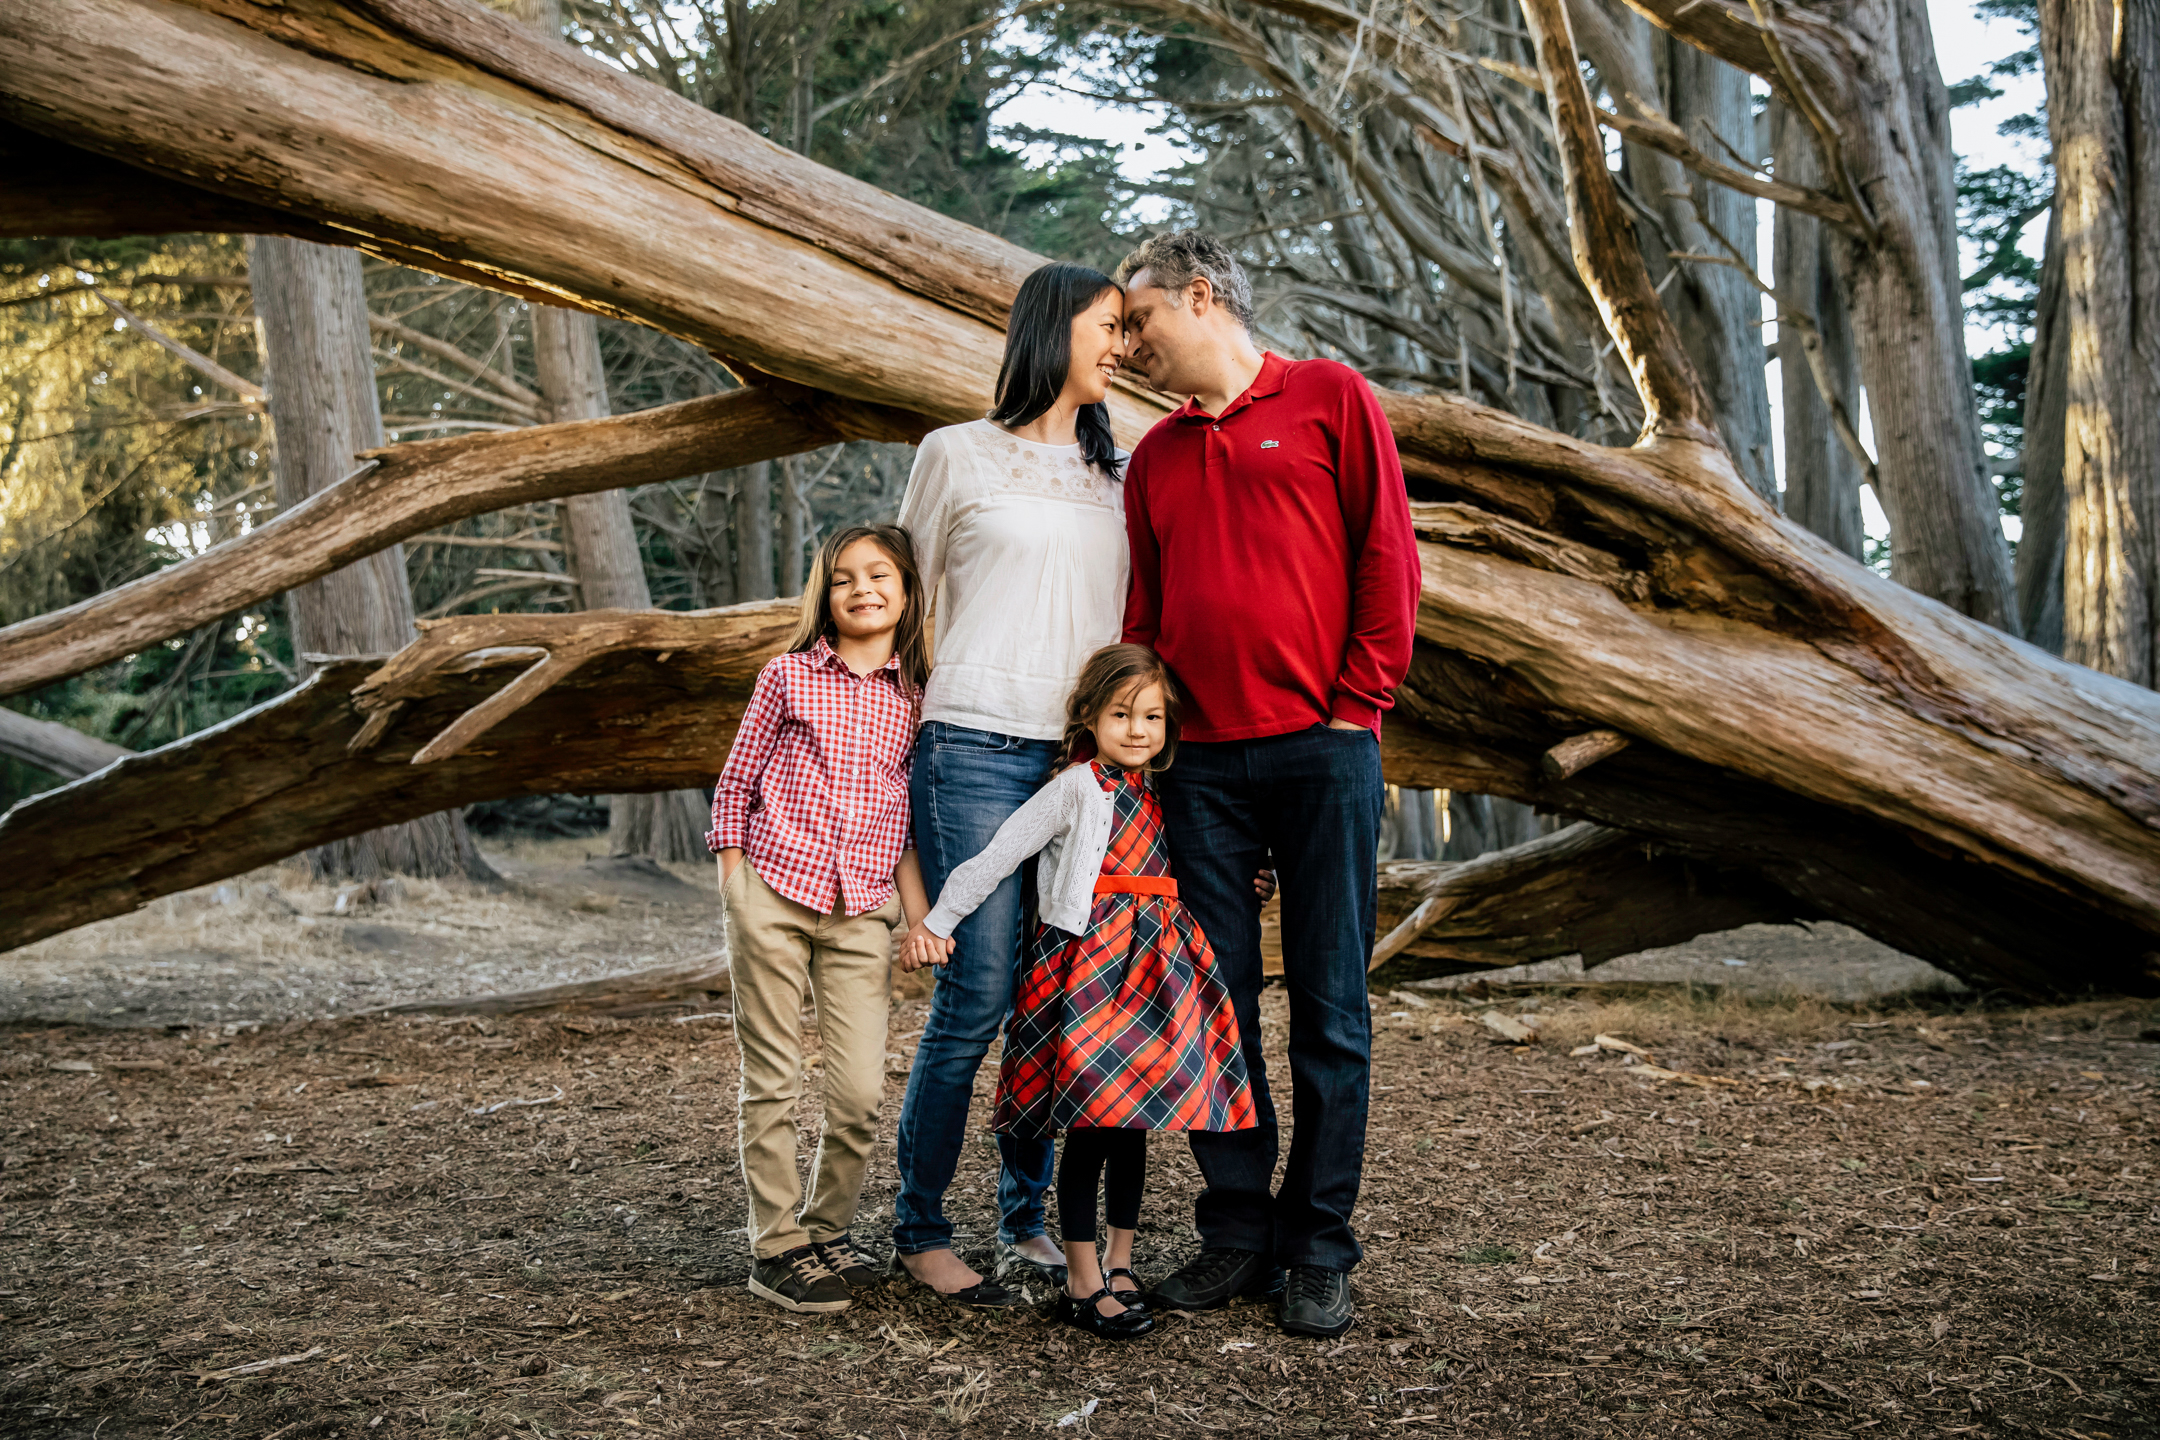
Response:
column 728, row 833
column 942, row 922
column 1360, row 712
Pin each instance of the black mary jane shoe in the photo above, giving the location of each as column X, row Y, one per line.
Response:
column 1128, row 1324
column 982, row 1295
column 1136, row 1298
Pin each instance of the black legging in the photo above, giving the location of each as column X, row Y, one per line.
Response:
column 1113, row 1161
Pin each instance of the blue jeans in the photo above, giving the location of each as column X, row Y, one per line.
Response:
column 965, row 784
column 1312, row 800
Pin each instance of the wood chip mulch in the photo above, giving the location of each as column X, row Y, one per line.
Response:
column 1897, row 1224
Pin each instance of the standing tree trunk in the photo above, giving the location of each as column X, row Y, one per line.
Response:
column 1479, row 824
column 324, row 409
column 754, row 532
column 603, row 555
column 1719, row 309
column 1822, row 475
column 2040, row 554
column 713, row 566
column 602, row 542
column 2103, row 64
column 794, row 525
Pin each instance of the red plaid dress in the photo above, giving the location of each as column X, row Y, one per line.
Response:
column 1125, row 1027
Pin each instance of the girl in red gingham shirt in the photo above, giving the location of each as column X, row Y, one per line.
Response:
column 810, row 821
column 1119, row 1025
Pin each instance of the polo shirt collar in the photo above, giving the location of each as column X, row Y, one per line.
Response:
column 1268, row 382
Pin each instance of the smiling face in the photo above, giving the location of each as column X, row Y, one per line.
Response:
column 867, row 596
column 1131, row 728
column 1164, row 330
column 1098, row 346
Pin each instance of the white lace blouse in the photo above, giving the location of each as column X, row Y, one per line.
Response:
column 1029, row 545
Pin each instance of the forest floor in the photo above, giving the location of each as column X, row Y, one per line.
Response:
column 1918, row 1215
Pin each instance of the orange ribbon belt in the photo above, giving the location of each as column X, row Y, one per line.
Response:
column 1136, row 885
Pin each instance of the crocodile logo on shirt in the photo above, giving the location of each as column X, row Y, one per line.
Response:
column 1270, row 444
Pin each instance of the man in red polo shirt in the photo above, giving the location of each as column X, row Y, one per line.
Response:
column 1274, row 569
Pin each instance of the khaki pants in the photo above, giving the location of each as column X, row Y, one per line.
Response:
column 776, row 949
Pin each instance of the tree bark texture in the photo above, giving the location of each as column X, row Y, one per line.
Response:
column 2102, row 62
column 1822, row 475
column 418, row 486
column 1864, row 72
column 1793, row 714
column 324, row 408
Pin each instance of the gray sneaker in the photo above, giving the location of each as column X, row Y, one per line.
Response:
column 798, row 1280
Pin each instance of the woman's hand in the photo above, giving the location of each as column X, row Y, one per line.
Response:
column 1264, row 885
column 924, row 946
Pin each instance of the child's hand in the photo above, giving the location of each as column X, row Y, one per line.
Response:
column 1264, row 885
column 924, row 946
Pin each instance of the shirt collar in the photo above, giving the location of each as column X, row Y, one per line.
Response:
column 822, row 653
column 1268, row 382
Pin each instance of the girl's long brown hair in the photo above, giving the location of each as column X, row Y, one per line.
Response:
column 1109, row 673
column 910, row 642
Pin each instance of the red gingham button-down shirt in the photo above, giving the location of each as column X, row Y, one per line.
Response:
column 815, row 790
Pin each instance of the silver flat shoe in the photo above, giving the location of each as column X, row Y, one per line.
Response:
column 1013, row 1267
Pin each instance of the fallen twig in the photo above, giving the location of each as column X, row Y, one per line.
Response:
column 254, row 1367
column 508, row 1104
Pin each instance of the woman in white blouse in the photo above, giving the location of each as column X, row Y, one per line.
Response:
column 1019, row 529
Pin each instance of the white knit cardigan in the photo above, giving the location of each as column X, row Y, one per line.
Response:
column 1068, row 821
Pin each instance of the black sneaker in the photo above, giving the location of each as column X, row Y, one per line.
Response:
column 855, row 1266
column 1317, row 1302
column 1215, row 1278
column 798, row 1280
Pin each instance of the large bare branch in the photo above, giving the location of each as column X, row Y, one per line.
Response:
column 412, row 488
column 61, row 749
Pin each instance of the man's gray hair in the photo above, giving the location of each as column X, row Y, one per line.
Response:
column 1175, row 260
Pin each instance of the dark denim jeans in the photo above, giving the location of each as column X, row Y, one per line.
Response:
column 965, row 784
column 1311, row 800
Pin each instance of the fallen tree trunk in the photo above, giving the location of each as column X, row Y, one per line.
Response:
column 640, row 992
column 59, row 749
column 416, row 487
column 1816, row 723
column 623, row 701
column 280, row 778
column 1587, row 890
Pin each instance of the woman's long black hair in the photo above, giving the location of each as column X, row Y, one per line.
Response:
column 1038, row 355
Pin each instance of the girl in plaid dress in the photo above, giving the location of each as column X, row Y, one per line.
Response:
column 1119, row 1026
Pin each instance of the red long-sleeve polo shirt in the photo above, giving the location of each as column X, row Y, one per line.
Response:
column 1273, row 564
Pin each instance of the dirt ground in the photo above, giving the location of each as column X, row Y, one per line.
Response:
column 1900, row 1218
